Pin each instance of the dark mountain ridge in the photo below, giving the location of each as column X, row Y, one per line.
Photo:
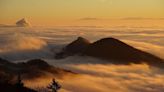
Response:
column 7, row 87
column 116, row 52
column 76, row 47
column 31, row 69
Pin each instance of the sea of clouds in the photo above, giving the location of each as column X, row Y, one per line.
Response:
column 20, row 44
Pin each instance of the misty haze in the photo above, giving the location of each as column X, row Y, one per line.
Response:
column 82, row 46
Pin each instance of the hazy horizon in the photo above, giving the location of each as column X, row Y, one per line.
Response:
column 129, row 60
column 83, row 12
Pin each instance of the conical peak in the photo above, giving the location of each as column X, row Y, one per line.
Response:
column 23, row 22
column 111, row 41
column 81, row 39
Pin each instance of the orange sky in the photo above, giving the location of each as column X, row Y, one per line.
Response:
column 83, row 12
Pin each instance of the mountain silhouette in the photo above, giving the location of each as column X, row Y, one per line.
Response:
column 114, row 49
column 38, row 63
column 31, row 69
column 7, row 87
column 7, row 73
column 117, row 52
column 75, row 47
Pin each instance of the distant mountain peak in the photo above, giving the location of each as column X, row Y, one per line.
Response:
column 81, row 39
column 75, row 47
column 78, row 45
column 111, row 42
column 23, row 23
column 110, row 49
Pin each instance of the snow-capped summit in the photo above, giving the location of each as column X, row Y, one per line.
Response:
column 23, row 23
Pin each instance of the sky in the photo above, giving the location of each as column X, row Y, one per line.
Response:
column 64, row 12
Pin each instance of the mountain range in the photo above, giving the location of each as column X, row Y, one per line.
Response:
column 111, row 50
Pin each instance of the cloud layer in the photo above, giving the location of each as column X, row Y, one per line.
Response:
column 97, row 76
column 106, row 77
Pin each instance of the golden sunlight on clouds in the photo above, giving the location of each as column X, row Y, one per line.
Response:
column 102, row 78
